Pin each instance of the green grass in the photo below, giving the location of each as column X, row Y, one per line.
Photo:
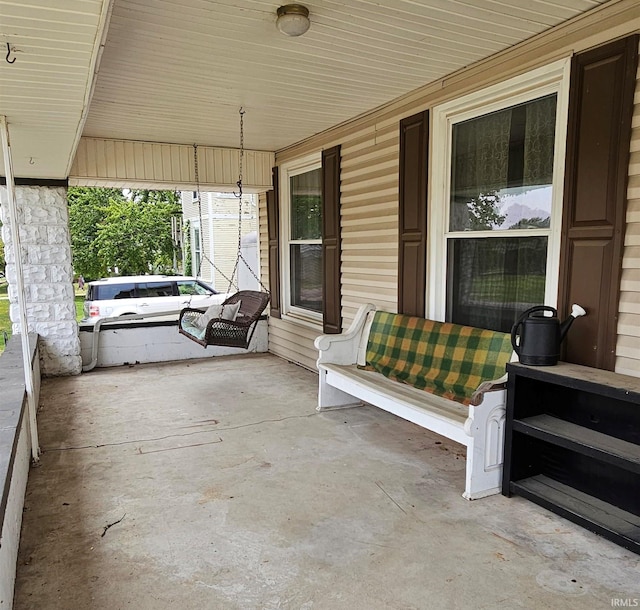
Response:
column 5, row 323
column 508, row 289
column 79, row 299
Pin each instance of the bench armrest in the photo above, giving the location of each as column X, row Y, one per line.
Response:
column 491, row 386
column 343, row 348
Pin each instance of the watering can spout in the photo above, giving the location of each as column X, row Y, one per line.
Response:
column 576, row 312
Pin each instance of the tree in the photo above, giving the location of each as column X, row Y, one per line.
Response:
column 532, row 223
column 187, row 262
column 129, row 234
column 87, row 209
column 484, row 212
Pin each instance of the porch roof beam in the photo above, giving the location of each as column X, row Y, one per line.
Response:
column 153, row 165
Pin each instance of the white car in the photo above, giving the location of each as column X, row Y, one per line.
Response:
column 138, row 294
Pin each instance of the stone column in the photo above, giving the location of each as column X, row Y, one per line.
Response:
column 46, row 257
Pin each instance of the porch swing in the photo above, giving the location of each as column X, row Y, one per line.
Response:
column 233, row 323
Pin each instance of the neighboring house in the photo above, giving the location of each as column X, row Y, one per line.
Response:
column 507, row 184
column 213, row 233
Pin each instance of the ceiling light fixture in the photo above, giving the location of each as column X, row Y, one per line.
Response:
column 293, row 19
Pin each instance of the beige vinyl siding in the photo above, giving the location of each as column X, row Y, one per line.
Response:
column 189, row 206
column 369, row 201
column 369, row 225
column 628, row 345
column 225, row 239
column 292, row 341
column 222, row 250
column 225, row 236
column 294, row 344
column 369, row 221
column 151, row 165
column 263, row 239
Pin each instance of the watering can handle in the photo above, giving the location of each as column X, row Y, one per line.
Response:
column 522, row 318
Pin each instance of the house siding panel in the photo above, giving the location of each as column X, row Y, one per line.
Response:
column 115, row 163
column 628, row 344
column 263, row 239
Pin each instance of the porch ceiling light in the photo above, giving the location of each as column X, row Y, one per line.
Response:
column 293, row 19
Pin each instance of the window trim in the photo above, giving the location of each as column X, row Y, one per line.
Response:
column 549, row 79
column 287, row 170
column 195, row 227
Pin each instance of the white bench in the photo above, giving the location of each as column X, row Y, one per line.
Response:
column 479, row 427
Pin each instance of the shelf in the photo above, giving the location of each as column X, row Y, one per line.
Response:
column 600, row 517
column 585, row 378
column 581, row 440
column 572, row 445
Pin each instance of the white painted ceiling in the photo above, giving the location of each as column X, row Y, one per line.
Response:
column 179, row 70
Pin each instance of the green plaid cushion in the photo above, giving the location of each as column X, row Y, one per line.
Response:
column 449, row 360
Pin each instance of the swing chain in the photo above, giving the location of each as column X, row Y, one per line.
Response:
column 203, row 254
column 240, row 256
column 238, row 195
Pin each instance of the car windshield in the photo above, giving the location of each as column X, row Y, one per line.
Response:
column 191, row 287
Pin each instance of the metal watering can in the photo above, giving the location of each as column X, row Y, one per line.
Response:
column 540, row 335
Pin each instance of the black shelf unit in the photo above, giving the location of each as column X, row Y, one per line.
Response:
column 572, row 445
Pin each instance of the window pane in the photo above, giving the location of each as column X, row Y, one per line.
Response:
column 155, row 289
column 192, row 287
column 502, row 168
column 115, row 291
column 306, row 276
column 492, row 281
column 306, row 205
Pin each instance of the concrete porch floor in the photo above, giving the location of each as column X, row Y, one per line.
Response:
column 225, row 489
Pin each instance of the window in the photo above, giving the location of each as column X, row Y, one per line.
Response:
column 302, row 218
column 112, row 291
column 191, row 287
column 497, row 201
column 155, row 289
column 196, row 247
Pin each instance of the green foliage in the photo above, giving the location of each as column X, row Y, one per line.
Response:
column 532, row 223
column 483, row 212
column 87, row 209
column 307, row 217
column 186, row 236
column 130, row 234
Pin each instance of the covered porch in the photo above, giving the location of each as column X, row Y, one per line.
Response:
column 216, row 484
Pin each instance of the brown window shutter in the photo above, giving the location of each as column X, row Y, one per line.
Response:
column 414, row 147
column 331, row 311
column 273, row 228
column 598, row 140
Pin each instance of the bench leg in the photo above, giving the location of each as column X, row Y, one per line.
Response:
column 485, row 451
column 332, row 398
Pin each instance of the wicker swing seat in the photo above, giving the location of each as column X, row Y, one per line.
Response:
column 227, row 333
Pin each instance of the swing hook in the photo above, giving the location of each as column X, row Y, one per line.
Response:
column 9, row 49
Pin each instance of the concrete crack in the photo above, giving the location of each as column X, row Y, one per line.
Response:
column 168, row 436
column 390, row 498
